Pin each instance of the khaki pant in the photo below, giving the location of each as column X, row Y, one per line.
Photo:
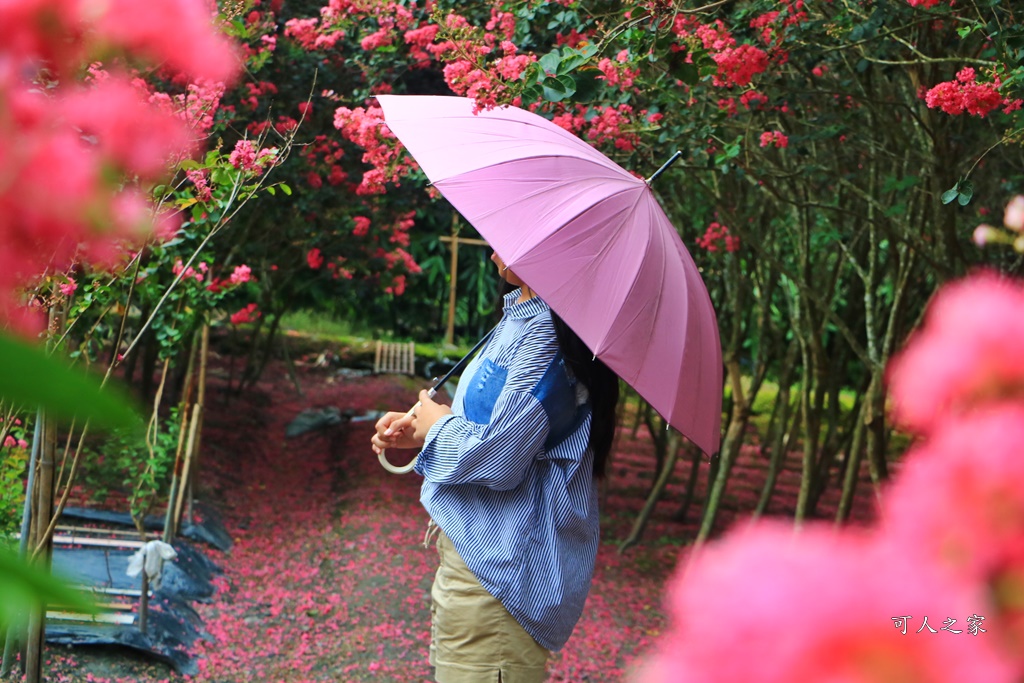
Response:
column 473, row 638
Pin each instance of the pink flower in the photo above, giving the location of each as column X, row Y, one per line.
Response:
column 737, row 66
column 362, row 226
column 770, row 605
column 68, row 288
column 314, row 258
column 240, row 275
column 974, row 460
column 245, row 315
column 969, row 352
column 983, row 234
column 137, row 137
column 774, row 138
column 958, row 503
column 380, row 38
column 178, row 33
column 965, row 94
column 246, row 157
column 1014, row 216
column 718, row 234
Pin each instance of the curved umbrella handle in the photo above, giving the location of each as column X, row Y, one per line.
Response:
column 404, row 469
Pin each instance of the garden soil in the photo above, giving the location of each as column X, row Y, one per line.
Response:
column 328, row 578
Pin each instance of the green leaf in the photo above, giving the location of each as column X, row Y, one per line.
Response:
column 549, row 62
column 286, row 188
column 950, row 194
column 271, row 190
column 532, row 94
column 23, row 587
column 574, row 58
column 587, row 85
column 966, row 192
column 31, row 378
column 555, row 90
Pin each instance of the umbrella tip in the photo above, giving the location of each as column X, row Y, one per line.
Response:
column 664, row 167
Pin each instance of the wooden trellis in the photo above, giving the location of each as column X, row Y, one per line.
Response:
column 395, row 357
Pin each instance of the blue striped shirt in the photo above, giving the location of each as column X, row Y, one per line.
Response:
column 509, row 478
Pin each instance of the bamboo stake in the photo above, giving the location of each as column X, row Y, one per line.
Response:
column 196, row 412
column 204, row 356
column 43, row 496
column 186, row 398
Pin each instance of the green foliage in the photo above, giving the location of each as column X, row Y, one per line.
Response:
column 24, row 587
column 143, row 462
column 13, row 462
column 322, row 324
column 33, row 378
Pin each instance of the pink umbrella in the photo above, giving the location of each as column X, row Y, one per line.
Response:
column 588, row 237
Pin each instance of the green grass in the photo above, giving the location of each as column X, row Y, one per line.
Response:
column 319, row 324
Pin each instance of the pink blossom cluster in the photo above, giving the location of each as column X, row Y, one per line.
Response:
column 618, row 73
column 70, row 154
column 365, row 127
column 400, row 257
column 400, row 234
column 247, row 314
column 717, row 237
column 338, row 270
column 361, row 226
column 201, row 181
column 966, row 94
column 923, row 4
column 418, row 40
column 737, row 64
column 309, row 35
column 240, row 275
column 246, row 156
column 198, row 273
column 314, row 258
column 11, row 442
column 774, row 138
column 933, row 593
column 1013, row 221
column 968, row 352
column 69, row 287
column 611, row 125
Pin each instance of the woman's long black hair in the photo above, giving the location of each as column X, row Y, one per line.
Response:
column 602, row 386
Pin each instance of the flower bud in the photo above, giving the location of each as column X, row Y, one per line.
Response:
column 984, row 233
column 1014, row 216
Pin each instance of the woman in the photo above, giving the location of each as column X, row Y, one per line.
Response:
column 509, row 477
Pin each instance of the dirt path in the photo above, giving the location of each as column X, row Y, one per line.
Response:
column 328, row 579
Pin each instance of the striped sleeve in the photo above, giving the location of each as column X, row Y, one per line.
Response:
column 495, row 455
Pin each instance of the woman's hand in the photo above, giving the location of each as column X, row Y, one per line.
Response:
column 426, row 414
column 394, row 430
column 408, row 430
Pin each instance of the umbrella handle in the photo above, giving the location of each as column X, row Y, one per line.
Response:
column 404, row 469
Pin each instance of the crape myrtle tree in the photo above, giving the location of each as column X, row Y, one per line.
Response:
column 836, row 157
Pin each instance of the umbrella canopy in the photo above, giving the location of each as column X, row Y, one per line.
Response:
column 588, row 237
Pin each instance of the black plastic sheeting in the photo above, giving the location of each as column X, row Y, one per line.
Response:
column 173, row 628
column 173, row 625
column 313, row 419
column 209, row 530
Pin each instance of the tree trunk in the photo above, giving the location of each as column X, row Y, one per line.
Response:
column 661, row 481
